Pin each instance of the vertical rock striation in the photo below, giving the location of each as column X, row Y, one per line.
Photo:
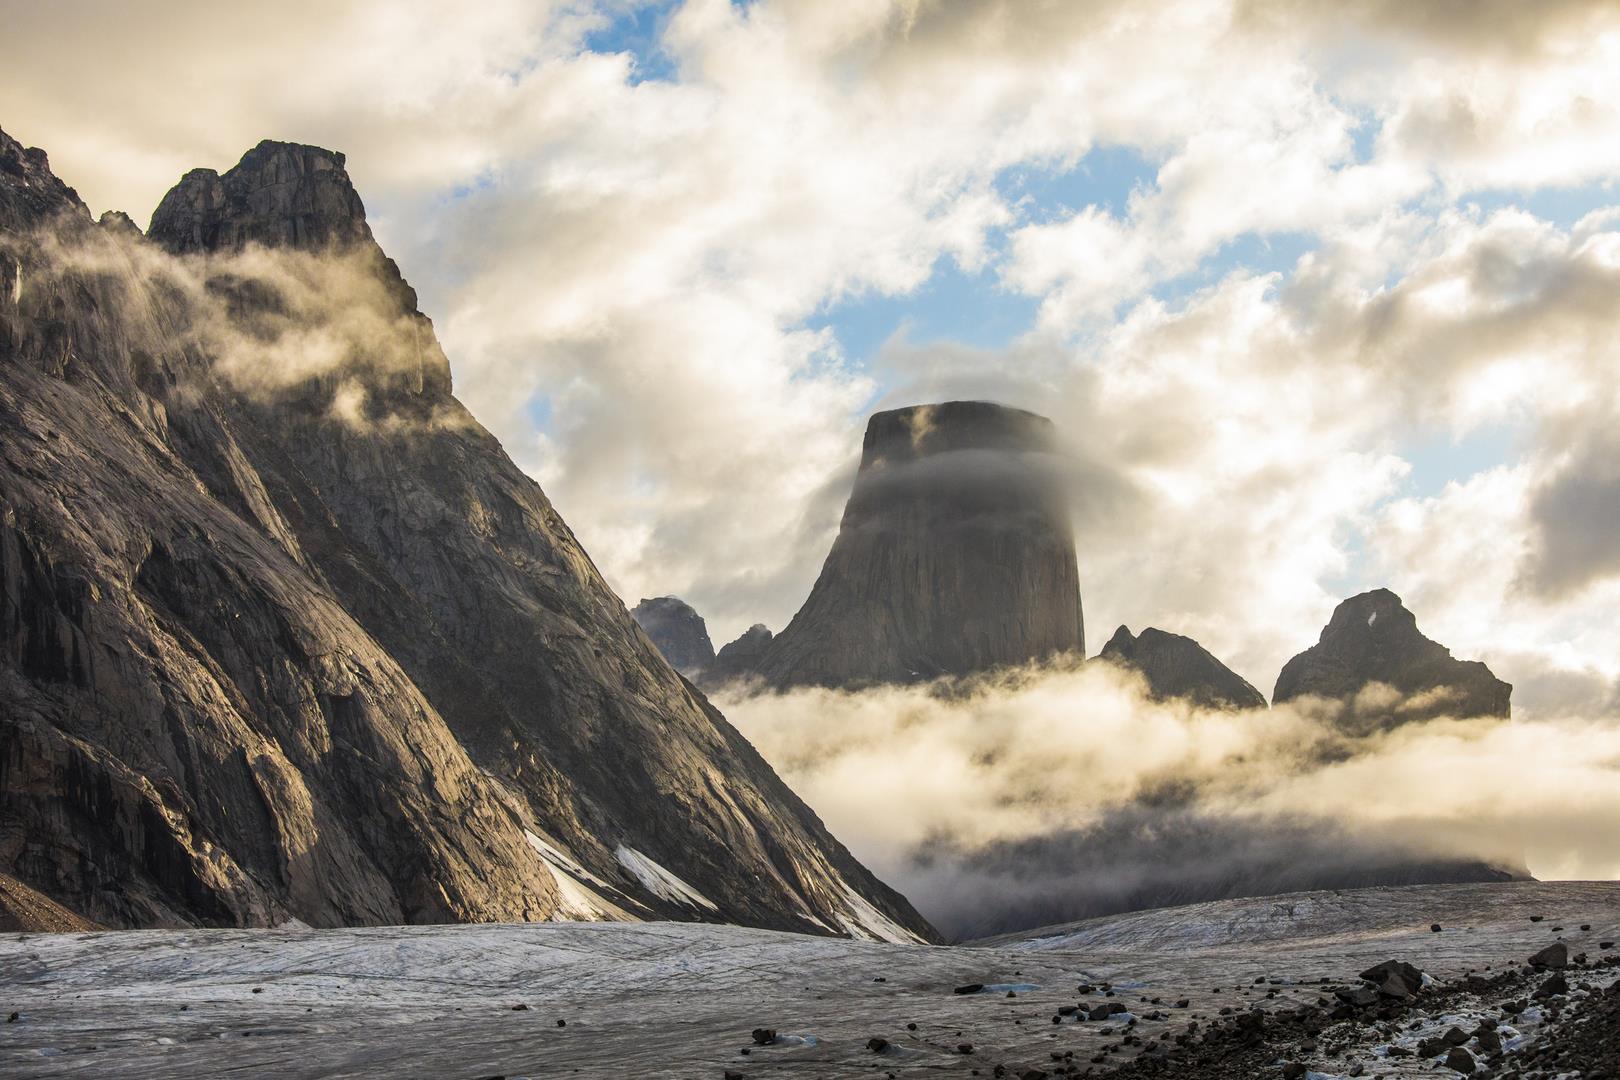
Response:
column 955, row 556
column 285, row 632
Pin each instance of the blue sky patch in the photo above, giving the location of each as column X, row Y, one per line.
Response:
column 639, row 30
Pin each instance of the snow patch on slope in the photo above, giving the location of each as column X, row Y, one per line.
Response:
column 561, row 859
column 579, row 901
column 869, row 924
column 660, row 882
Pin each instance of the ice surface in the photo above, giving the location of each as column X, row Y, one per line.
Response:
column 680, row 999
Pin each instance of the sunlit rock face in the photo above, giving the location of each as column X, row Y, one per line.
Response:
column 279, row 195
column 1174, row 666
column 1372, row 658
column 678, row 631
column 285, row 633
column 955, row 556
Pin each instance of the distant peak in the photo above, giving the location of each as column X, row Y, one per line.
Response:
column 1377, row 610
column 1176, row 666
column 117, row 221
column 1121, row 642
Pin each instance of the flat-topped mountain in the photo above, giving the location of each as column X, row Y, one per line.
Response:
column 955, row 556
column 285, row 633
column 1372, row 638
column 1174, row 666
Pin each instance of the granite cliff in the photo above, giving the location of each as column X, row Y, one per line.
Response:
column 955, row 556
column 285, row 634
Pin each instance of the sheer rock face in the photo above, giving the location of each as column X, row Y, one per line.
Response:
column 279, row 195
column 1174, row 666
column 1372, row 638
column 955, row 556
column 678, row 631
column 266, row 652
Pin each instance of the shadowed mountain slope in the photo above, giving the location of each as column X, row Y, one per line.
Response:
column 286, row 633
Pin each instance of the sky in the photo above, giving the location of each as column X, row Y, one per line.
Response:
column 1321, row 296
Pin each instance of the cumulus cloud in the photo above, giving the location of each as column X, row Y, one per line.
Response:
column 632, row 274
column 1053, row 793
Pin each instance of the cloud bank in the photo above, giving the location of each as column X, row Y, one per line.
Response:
column 1052, row 793
column 1347, row 321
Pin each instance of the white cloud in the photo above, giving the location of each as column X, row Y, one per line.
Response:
column 645, row 256
column 1065, row 782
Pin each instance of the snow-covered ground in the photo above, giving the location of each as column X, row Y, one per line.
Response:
column 680, row 1000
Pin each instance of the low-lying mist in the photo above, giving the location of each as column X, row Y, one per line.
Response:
column 1055, row 793
column 334, row 327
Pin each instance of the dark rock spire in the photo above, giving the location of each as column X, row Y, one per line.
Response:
column 955, row 555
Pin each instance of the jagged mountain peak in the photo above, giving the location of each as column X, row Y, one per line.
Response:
column 1121, row 642
column 279, row 194
column 1374, row 638
column 678, row 631
column 29, row 190
column 1176, row 666
column 276, row 659
column 1376, row 612
column 117, row 221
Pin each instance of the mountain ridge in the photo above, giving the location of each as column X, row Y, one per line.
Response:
column 315, row 571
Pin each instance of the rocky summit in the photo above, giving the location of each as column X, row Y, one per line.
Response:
column 1177, row 667
column 955, row 556
column 678, row 631
column 738, row 658
column 1372, row 658
column 284, row 633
